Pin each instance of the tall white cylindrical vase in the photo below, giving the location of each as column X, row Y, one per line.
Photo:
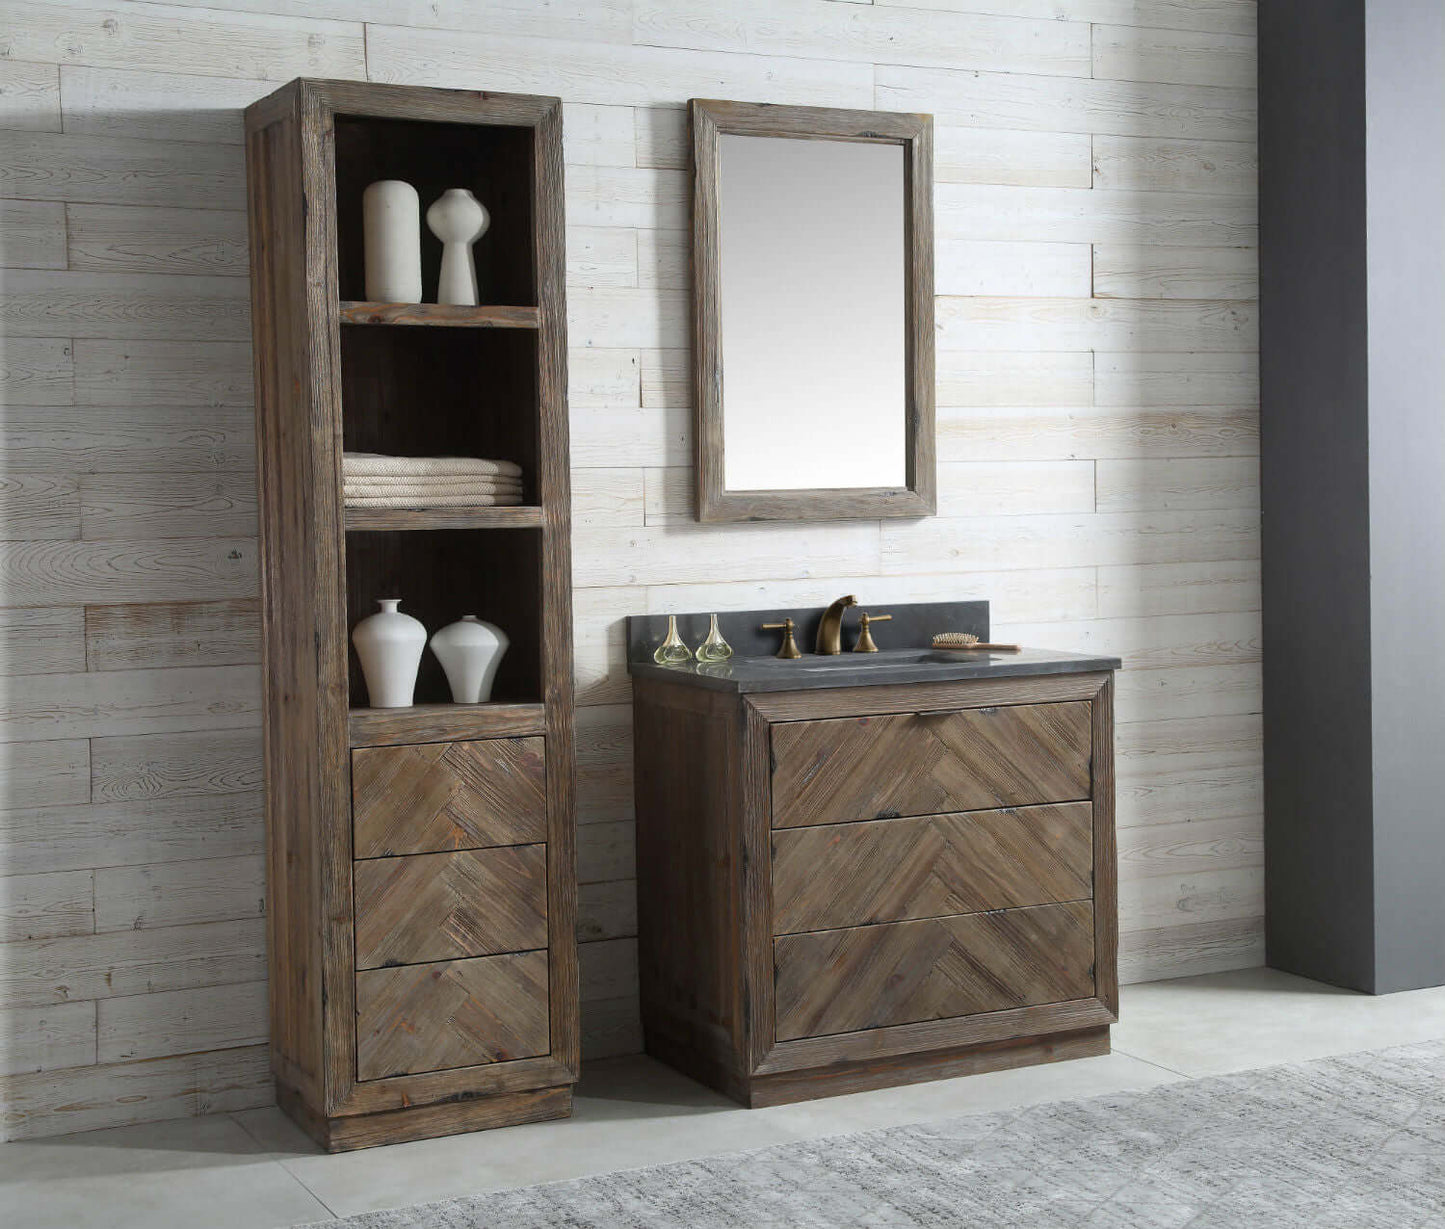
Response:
column 470, row 651
column 458, row 219
column 391, row 219
column 389, row 645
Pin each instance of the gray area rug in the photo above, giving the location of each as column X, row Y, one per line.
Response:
column 1352, row 1142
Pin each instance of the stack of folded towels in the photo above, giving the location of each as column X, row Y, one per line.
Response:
column 370, row 480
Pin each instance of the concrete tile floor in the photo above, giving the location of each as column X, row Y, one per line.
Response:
column 254, row 1170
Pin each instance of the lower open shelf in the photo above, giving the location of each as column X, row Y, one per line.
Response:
column 444, row 723
column 516, row 517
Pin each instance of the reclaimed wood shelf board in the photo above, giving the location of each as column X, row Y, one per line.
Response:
column 527, row 516
column 441, row 315
column 430, row 723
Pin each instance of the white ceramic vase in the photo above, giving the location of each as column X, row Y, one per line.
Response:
column 391, row 220
column 390, row 645
column 470, row 651
column 458, row 219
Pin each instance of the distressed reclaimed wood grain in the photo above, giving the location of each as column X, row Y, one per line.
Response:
column 601, row 256
column 1097, row 324
column 158, row 765
column 1192, row 949
column 45, row 303
column 606, row 910
column 1217, row 16
column 1158, row 164
column 42, row 640
column 32, row 234
column 46, row 906
column 36, row 371
column 144, row 373
column 38, row 506
column 132, row 104
column 1012, row 269
column 43, row 774
column 49, row 1038
column 1014, row 158
column 1105, row 433
column 1173, row 589
column 140, row 1026
column 1124, row 272
column 139, row 506
column 158, row 635
column 981, row 379
column 126, row 239
column 127, row 439
column 1176, row 379
column 1184, row 57
column 29, row 96
column 1191, row 691
column 1177, row 485
column 180, row 893
column 165, row 569
column 607, row 496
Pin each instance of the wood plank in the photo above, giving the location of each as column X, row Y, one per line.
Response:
column 643, row 197
column 38, row 506
column 120, row 171
column 44, row 774
column 122, row 1094
column 611, row 1028
column 180, row 893
column 1011, row 433
column 893, row 870
column 36, row 371
column 983, row 378
column 1209, row 896
column 921, row 763
column 601, row 255
column 48, row 1038
column 602, row 377
column 42, row 640
column 1190, row 691
column 1166, row 589
column 606, row 852
column 142, row 1026
column 446, row 906
column 159, row 765
column 1177, row 485
column 1068, row 104
column 1176, row 379
column 1156, row 642
column 626, row 318
column 812, row 29
column 604, row 764
column 1175, row 850
column 155, row 635
column 44, row 303
column 1015, row 488
column 167, row 569
column 29, row 95
column 1012, row 269
column 60, row 838
column 138, row 506
column 444, row 796
column 131, row 103
column 1012, row 157
column 441, row 315
column 1130, row 52
column 458, row 1014
column 666, row 378
column 603, row 73
column 1221, row 16
column 127, row 439
column 842, row 981
column 598, row 136
column 606, row 910
column 608, row 969
column 618, row 436
column 169, row 39
column 128, row 239
column 46, row 906
column 1160, row 164
column 44, row 971
column 1191, row 950
column 144, row 374
column 1191, row 794
column 663, row 259
column 607, row 497
column 1097, row 324
column 32, row 234
column 1125, row 272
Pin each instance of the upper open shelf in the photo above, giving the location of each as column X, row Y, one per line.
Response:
column 440, row 315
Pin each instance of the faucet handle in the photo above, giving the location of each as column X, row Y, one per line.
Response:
column 789, row 648
column 865, row 637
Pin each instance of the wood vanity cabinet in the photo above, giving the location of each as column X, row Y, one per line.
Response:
column 847, row 888
column 421, row 890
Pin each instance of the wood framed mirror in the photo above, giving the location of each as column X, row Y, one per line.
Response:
column 813, row 312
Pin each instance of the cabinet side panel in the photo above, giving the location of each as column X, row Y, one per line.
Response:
column 1106, row 853
column 689, row 931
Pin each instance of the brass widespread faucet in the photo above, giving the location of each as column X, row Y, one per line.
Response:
column 830, row 630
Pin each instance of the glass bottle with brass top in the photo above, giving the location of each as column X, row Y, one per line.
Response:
column 714, row 649
column 672, row 651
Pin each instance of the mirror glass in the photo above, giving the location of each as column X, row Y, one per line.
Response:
column 812, row 273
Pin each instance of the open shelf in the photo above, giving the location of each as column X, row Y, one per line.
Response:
column 444, row 723
column 441, row 315
column 520, row 517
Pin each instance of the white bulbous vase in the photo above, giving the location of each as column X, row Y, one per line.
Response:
column 390, row 646
column 470, row 650
column 391, row 223
column 458, row 219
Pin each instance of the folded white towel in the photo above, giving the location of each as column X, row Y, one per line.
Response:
column 432, row 501
column 372, row 464
column 426, row 487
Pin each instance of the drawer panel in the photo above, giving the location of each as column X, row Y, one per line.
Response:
column 891, row 870
column 443, row 906
column 845, row 769
column 440, row 796
column 844, row 981
column 431, row 1017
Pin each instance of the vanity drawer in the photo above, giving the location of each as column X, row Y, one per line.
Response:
column 891, row 870
column 442, row 906
column 844, row 981
column 839, row 770
column 431, row 1017
column 440, row 796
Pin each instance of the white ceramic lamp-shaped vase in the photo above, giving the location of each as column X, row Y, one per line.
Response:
column 458, row 219
column 390, row 646
column 470, row 651
column 391, row 223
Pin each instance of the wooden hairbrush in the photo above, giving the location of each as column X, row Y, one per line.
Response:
column 967, row 640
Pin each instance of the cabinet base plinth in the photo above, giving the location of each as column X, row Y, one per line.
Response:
column 786, row 1087
column 354, row 1131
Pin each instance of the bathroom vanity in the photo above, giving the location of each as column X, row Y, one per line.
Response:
column 866, row 869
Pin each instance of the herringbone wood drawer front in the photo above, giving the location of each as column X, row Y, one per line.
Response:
column 852, row 768
column 442, row 906
column 431, row 1017
column 441, row 796
column 891, row 870
column 842, row 981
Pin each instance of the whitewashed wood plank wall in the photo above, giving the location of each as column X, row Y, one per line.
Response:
column 1098, row 427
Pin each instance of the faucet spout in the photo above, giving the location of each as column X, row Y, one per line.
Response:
column 830, row 630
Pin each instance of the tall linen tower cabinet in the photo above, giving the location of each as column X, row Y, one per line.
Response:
column 421, row 881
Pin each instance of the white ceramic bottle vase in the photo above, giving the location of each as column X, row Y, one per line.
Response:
column 390, row 646
column 470, row 650
column 391, row 220
column 458, row 219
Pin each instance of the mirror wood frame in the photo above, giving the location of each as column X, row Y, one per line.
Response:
column 710, row 119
